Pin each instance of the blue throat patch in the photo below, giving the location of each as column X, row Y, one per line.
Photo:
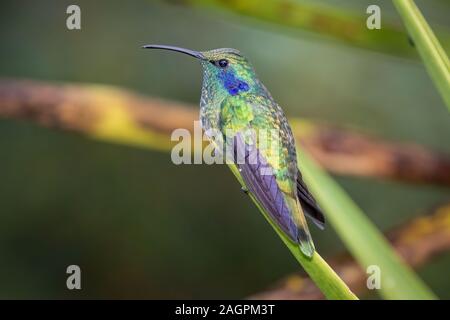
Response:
column 232, row 84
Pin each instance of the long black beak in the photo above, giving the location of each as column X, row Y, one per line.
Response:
column 192, row 53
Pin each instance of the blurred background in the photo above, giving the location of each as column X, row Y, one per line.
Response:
column 142, row 227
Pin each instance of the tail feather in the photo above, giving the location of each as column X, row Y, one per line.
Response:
column 305, row 243
column 304, row 239
column 308, row 203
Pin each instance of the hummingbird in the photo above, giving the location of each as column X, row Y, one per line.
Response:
column 234, row 102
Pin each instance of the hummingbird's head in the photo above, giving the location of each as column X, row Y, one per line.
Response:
column 230, row 69
column 226, row 69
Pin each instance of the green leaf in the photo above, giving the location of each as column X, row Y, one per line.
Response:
column 331, row 22
column 363, row 240
column 433, row 55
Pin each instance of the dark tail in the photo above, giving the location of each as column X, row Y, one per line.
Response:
column 309, row 204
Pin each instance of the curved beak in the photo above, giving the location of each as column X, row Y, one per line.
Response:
column 192, row 53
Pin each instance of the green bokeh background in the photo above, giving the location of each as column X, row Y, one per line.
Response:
column 142, row 227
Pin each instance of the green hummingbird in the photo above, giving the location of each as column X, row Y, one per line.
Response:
column 234, row 102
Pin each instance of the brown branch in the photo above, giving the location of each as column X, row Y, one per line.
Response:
column 117, row 115
column 350, row 153
column 416, row 242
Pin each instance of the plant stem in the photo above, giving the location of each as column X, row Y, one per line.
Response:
column 433, row 55
column 320, row 272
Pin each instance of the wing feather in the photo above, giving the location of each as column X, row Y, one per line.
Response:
column 264, row 186
column 270, row 175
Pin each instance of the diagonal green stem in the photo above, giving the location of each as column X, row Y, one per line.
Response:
column 433, row 55
column 361, row 237
column 320, row 272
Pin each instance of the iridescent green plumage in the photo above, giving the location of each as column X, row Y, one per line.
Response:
column 238, row 106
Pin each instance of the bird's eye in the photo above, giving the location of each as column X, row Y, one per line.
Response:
column 223, row 63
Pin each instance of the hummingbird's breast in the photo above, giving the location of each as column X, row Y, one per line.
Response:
column 219, row 85
column 210, row 103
